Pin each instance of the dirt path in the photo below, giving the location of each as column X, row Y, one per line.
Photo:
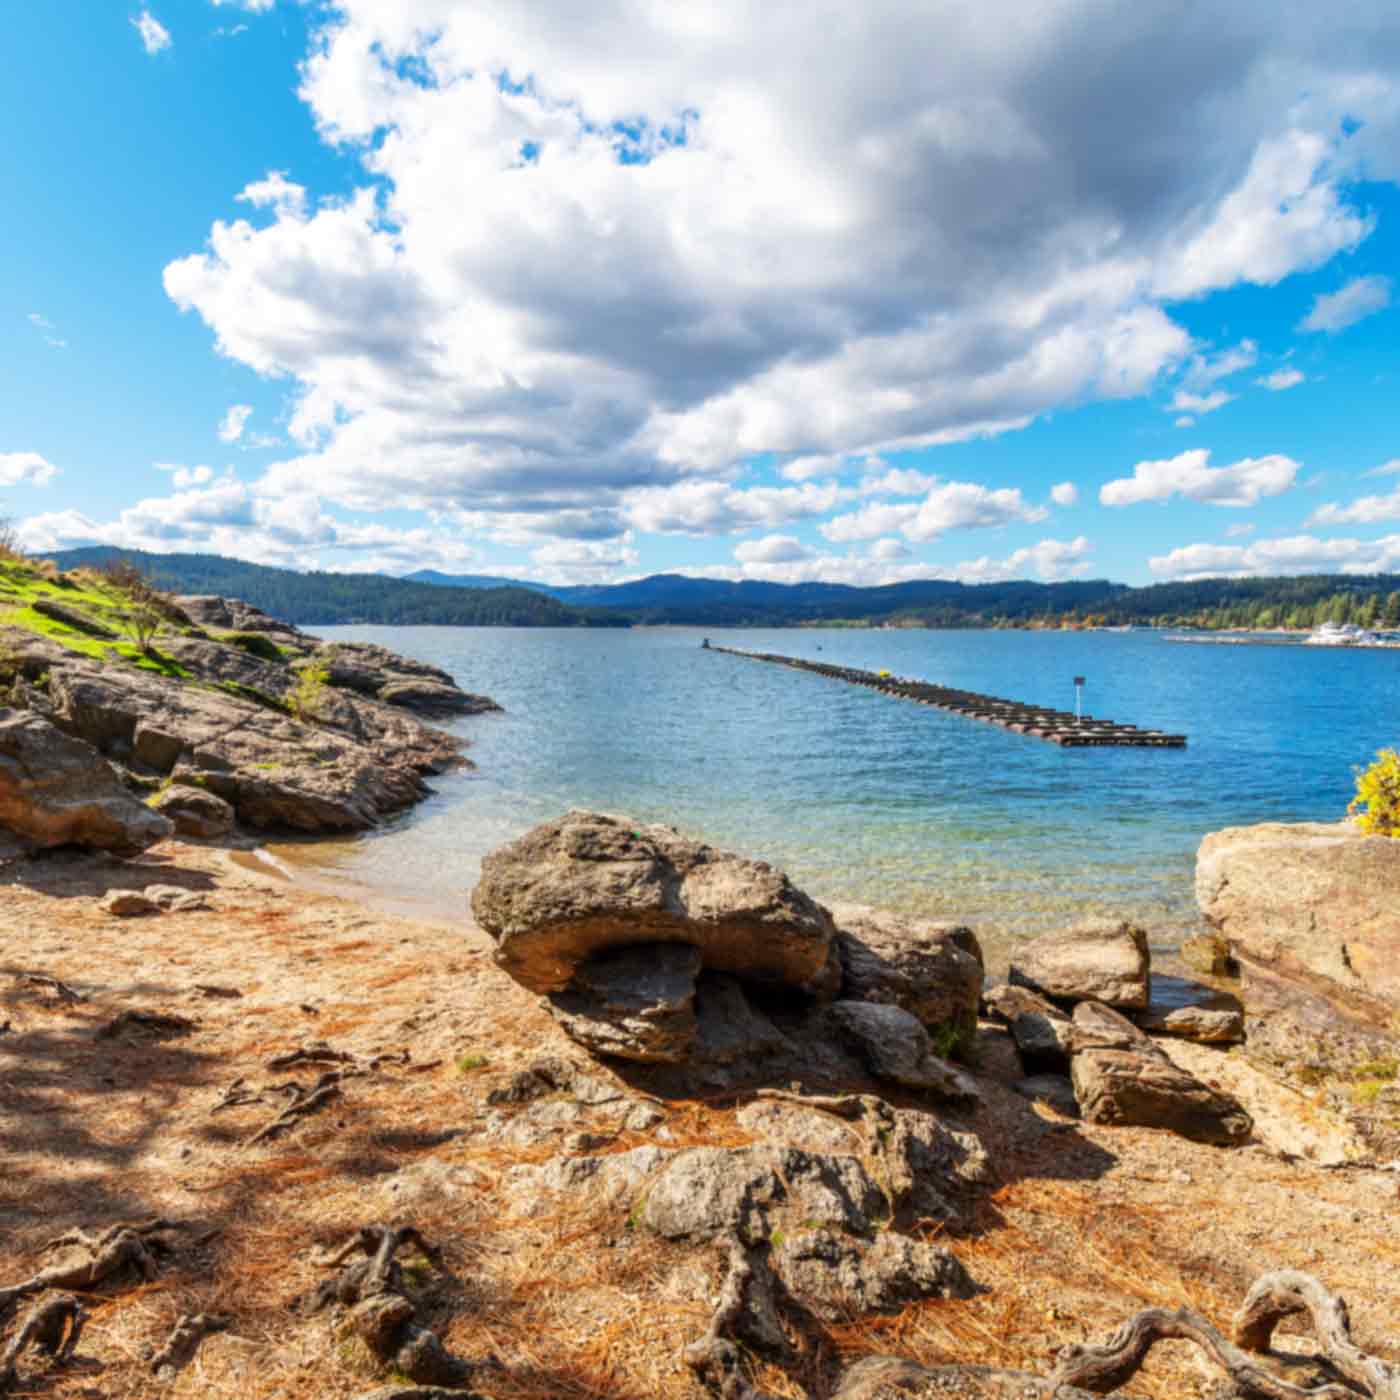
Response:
column 157, row 1120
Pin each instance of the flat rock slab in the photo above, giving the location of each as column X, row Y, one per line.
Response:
column 1121, row 1077
column 573, row 888
column 1103, row 960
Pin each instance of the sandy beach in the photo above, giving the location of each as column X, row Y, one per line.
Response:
column 1085, row 1224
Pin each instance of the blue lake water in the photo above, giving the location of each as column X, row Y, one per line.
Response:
column 864, row 798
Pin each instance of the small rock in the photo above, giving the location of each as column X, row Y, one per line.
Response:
column 127, row 904
column 1207, row 953
column 839, row 1278
column 895, row 1045
column 1097, row 960
column 1221, row 1027
column 176, row 900
column 1043, row 1033
column 195, row 812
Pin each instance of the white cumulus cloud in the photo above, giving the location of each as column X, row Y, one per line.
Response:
column 1368, row 510
column 1065, row 493
column 1189, row 474
column 1297, row 554
column 529, row 303
column 25, row 468
column 154, row 35
column 1335, row 311
column 234, row 421
column 1281, row 379
column 954, row 505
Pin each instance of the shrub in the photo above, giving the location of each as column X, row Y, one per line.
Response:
column 148, row 607
column 10, row 552
column 255, row 644
column 1377, row 801
column 307, row 698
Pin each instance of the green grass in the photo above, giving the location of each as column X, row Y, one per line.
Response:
column 467, row 1063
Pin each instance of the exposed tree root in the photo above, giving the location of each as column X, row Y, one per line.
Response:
column 150, row 1025
column 61, row 990
column 381, row 1313
column 213, row 989
column 237, row 1095
column 52, row 1326
column 744, row 1310
column 304, row 1102
column 126, row 1245
column 317, row 1053
column 182, row 1343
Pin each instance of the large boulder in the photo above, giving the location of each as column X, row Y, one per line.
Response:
column 933, row 971
column 56, row 790
column 1312, row 902
column 195, row 812
column 577, row 887
column 1311, row 915
column 1121, row 1077
column 894, row 1045
column 1103, row 960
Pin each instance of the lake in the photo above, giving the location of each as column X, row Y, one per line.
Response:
column 865, row 798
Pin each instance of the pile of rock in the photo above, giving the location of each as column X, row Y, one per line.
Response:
column 656, row 949
column 1064, row 1004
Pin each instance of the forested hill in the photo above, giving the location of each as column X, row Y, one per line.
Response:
column 321, row 599
column 1372, row 600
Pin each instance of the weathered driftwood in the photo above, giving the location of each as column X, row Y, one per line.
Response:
column 382, row 1314
column 125, row 1245
column 53, row 1326
column 180, row 1346
column 1288, row 1292
column 717, row 1357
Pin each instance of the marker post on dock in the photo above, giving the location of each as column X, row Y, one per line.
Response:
column 1079, row 697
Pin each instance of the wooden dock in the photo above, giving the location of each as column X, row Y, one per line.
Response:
column 1034, row 721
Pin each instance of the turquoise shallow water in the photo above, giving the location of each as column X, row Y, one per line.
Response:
column 869, row 799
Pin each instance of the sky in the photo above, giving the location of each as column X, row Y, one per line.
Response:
column 748, row 289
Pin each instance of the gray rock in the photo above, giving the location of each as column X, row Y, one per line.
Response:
column 56, row 790
column 633, row 1003
column 1043, row 1033
column 1057, row 1090
column 611, row 1181
column 431, row 698
column 996, row 1056
column 705, row 1192
column 1096, row 960
column 174, row 899
column 933, row 971
column 194, row 812
column 585, row 883
column 1210, row 1027
column 839, row 1278
column 1121, row 1077
column 896, row 1047
column 730, row 1029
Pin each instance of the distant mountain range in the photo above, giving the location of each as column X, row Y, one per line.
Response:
column 428, row 596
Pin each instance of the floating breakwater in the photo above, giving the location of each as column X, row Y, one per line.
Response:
column 1034, row 721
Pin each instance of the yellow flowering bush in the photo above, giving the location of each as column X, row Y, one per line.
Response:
column 1377, row 801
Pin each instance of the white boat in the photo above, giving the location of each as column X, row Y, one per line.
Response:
column 1340, row 634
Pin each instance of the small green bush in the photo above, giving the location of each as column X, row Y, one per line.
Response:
column 307, row 699
column 1376, row 805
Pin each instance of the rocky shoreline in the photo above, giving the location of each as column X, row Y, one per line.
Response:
column 654, row 1123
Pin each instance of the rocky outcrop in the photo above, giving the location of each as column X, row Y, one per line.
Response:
column 56, row 790
column 578, row 887
column 933, row 971
column 1121, row 1077
column 1103, row 960
column 1210, row 1026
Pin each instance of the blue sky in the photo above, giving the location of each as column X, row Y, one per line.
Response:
column 582, row 293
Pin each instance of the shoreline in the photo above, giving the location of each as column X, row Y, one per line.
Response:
column 103, row 1130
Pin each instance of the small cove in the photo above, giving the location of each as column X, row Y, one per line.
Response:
column 867, row 799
